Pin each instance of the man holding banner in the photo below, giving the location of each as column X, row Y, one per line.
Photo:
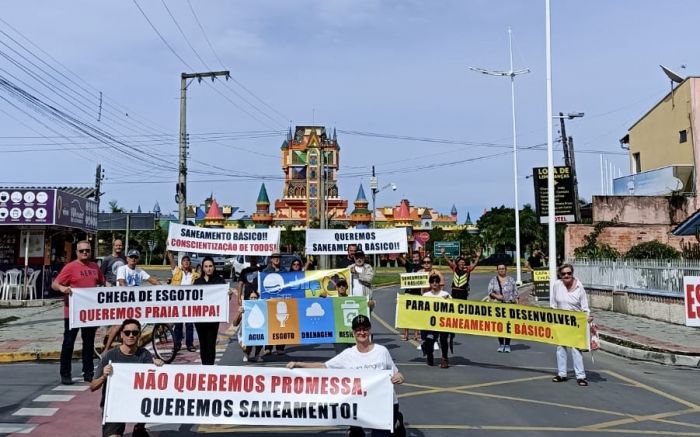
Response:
column 128, row 352
column 362, row 276
column 364, row 355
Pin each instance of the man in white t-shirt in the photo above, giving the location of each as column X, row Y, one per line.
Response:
column 429, row 337
column 132, row 276
column 364, row 355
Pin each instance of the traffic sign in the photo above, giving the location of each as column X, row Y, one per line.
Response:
column 452, row 248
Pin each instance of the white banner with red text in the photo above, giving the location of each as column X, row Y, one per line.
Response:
column 102, row 306
column 144, row 393
column 183, row 238
column 691, row 295
column 336, row 241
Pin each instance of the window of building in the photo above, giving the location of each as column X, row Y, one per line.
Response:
column 683, row 136
column 637, row 162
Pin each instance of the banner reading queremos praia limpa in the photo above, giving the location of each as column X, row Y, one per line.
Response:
column 144, row 393
column 102, row 306
column 183, row 238
column 336, row 241
column 545, row 325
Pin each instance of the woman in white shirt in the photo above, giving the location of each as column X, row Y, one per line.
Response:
column 429, row 337
column 568, row 294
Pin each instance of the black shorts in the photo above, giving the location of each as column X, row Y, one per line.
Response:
column 109, row 429
column 458, row 293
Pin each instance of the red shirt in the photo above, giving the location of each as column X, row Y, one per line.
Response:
column 76, row 274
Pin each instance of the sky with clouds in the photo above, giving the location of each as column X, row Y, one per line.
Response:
column 370, row 69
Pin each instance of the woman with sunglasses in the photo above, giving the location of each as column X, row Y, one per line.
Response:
column 503, row 289
column 429, row 337
column 568, row 294
column 208, row 331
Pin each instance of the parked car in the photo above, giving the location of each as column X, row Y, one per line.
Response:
column 239, row 262
column 496, row 259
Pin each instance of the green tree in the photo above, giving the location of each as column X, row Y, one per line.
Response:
column 497, row 229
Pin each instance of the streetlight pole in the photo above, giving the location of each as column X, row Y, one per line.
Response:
column 374, row 186
column 512, row 73
column 569, row 158
column 552, row 233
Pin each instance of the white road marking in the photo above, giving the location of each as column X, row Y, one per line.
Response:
column 47, row 412
column 17, row 428
column 54, row 398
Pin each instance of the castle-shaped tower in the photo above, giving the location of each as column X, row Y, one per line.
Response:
column 360, row 217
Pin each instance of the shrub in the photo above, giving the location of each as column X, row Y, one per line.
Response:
column 652, row 250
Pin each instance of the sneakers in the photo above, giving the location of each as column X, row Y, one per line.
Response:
column 501, row 348
column 444, row 364
column 436, row 347
column 506, row 349
column 245, row 358
column 66, row 380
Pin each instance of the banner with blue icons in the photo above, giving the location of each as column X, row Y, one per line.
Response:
column 296, row 285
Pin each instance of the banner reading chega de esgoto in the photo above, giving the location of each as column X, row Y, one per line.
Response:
column 143, row 393
column 544, row 325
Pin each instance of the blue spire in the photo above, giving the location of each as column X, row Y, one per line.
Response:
column 361, row 195
column 138, row 210
column 454, row 210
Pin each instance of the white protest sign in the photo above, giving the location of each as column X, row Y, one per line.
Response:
column 223, row 241
column 143, row 393
column 691, row 294
column 102, row 306
column 336, row 241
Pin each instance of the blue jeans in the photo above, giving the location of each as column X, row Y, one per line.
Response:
column 189, row 334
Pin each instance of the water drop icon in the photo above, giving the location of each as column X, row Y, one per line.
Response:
column 256, row 318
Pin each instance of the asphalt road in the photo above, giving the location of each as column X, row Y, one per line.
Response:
column 483, row 393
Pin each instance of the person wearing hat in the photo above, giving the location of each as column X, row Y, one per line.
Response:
column 364, row 355
column 132, row 276
column 362, row 276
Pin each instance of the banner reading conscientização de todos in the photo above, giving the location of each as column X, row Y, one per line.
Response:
column 545, row 325
column 144, row 393
column 336, row 241
column 183, row 238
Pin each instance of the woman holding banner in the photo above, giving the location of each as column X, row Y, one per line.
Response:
column 429, row 337
column 568, row 294
column 208, row 331
column 503, row 288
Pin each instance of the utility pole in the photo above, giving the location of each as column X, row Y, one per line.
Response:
column 564, row 138
column 323, row 259
column 98, row 183
column 572, row 159
column 511, row 74
column 181, row 188
column 373, row 185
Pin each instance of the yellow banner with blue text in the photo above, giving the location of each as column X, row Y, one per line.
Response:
column 544, row 325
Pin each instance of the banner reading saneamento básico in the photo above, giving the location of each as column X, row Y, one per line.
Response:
column 414, row 280
column 185, row 238
column 336, row 241
column 194, row 394
column 545, row 325
column 101, row 306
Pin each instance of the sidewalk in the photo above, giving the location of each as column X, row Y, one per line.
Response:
column 645, row 339
column 36, row 332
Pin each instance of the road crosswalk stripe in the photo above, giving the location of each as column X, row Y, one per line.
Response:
column 71, row 388
column 35, row 412
column 54, row 398
column 17, row 428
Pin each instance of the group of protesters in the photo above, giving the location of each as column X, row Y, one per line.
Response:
column 117, row 269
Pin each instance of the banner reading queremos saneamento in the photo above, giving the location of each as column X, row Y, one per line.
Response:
column 183, row 238
column 102, row 306
column 336, row 241
column 194, row 394
column 544, row 325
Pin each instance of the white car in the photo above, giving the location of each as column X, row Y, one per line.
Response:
column 239, row 262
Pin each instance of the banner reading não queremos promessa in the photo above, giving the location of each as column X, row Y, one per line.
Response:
column 183, row 238
column 336, row 241
column 102, row 306
column 194, row 394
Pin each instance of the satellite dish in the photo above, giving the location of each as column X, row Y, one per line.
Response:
column 671, row 75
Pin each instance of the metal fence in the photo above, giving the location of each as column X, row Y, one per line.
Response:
column 639, row 276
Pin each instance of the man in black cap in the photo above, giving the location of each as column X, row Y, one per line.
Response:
column 364, row 355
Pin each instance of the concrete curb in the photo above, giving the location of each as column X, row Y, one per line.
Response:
column 613, row 346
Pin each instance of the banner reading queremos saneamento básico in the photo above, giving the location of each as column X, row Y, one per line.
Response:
column 194, row 394
column 336, row 241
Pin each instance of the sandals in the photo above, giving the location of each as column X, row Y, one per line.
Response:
column 559, row 379
column 582, row 382
column 404, row 337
